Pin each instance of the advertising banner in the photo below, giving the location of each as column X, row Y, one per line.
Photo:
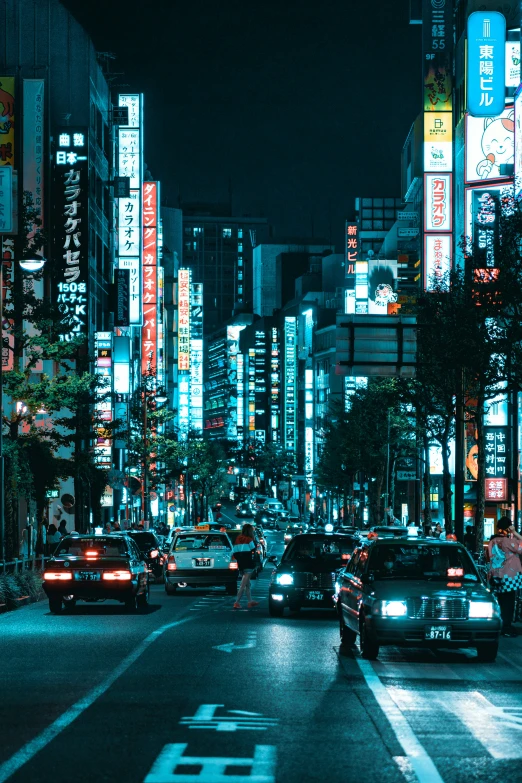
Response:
column 6, row 200
column 33, row 144
column 518, row 144
column 352, row 247
column 490, row 144
column 485, row 210
column 497, row 451
column 149, row 332
column 70, row 168
column 121, row 284
column 290, row 384
column 437, row 260
column 486, row 65
column 7, row 120
column 438, row 135
column 437, row 201
column 512, row 64
column 382, row 286
column 184, row 319
column 437, row 46
column 196, row 351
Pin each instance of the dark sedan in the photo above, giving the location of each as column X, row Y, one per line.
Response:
column 416, row 593
column 305, row 577
column 150, row 548
column 95, row 568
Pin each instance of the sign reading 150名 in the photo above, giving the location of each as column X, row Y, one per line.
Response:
column 486, row 63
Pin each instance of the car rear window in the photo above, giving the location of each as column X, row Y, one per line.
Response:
column 433, row 562
column 144, row 540
column 99, row 546
column 192, row 543
column 328, row 548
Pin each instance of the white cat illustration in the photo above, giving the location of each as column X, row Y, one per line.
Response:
column 498, row 144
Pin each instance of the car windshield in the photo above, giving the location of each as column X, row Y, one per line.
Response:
column 192, row 543
column 98, row 547
column 144, row 540
column 327, row 548
column 425, row 561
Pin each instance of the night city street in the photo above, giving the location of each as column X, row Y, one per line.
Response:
column 107, row 697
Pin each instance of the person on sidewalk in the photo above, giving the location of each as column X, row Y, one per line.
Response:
column 244, row 552
column 505, row 548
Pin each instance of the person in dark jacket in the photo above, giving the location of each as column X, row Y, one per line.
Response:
column 244, row 552
column 63, row 528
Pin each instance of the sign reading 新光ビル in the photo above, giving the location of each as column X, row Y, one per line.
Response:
column 352, row 247
column 486, row 63
column 70, row 168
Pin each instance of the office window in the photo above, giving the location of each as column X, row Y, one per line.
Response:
column 240, row 260
column 240, row 247
column 240, row 275
column 240, row 233
column 197, row 231
column 227, row 233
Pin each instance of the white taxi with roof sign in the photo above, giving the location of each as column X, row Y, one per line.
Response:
column 200, row 557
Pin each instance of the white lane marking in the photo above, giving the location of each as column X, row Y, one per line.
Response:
column 422, row 764
column 205, row 718
column 508, row 660
column 230, row 646
column 492, row 726
column 212, row 769
column 34, row 746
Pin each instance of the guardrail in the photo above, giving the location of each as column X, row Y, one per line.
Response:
column 23, row 564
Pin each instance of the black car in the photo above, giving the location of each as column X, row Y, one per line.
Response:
column 94, row 568
column 150, row 547
column 305, row 577
column 416, row 592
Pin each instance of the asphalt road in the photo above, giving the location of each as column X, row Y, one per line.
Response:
column 195, row 692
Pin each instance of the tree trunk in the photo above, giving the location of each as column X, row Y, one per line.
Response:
column 447, row 492
column 426, row 481
column 391, row 499
column 374, row 496
column 481, row 474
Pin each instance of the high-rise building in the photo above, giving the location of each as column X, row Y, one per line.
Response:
column 218, row 248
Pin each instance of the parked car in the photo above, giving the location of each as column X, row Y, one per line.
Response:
column 416, row 592
column 245, row 511
column 200, row 558
column 307, row 571
column 96, row 568
column 150, row 547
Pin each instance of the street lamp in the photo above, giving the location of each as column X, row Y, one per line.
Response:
column 31, row 265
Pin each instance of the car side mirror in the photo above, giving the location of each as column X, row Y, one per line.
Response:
column 368, row 579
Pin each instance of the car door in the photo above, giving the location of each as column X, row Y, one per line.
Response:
column 137, row 566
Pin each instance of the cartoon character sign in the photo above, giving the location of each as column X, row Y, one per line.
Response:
column 490, row 143
column 382, row 282
column 7, row 110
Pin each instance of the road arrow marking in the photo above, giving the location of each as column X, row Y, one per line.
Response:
column 230, row 646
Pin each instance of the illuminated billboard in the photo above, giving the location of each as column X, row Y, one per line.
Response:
column 352, row 247
column 196, row 354
column 290, row 384
column 184, row 276
column 490, row 145
column 130, row 164
column 502, row 193
column 437, row 260
column 149, row 330
column 486, row 63
column 437, row 202
column 518, row 144
column 437, row 45
column 382, row 286
column 103, row 407
column 7, row 121
column 438, row 136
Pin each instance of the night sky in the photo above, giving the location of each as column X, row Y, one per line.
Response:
column 300, row 106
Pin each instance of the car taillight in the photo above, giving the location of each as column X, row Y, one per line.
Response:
column 171, row 563
column 346, row 556
column 117, row 576
column 62, row 576
column 233, row 564
column 91, row 553
column 154, row 553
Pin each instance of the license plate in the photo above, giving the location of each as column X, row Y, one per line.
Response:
column 438, row 632
column 314, row 595
column 88, row 576
column 205, row 561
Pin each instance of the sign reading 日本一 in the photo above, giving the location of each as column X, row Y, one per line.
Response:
column 70, row 167
column 486, row 63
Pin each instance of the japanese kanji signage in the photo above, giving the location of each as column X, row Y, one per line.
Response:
column 437, row 45
column 485, row 206
column 437, row 191
column 437, row 260
column 497, row 452
column 70, row 167
column 196, row 351
column 7, row 119
column 352, row 247
column 121, row 284
column 103, row 370
column 130, row 164
column 184, row 319
column 496, row 489
column 486, row 63
column 149, row 332
column 33, row 144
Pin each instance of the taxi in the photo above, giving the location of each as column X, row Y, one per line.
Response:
column 416, row 592
column 200, row 557
column 291, row 531
column 95, row 568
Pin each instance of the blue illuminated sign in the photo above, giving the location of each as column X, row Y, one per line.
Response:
column 486, row 63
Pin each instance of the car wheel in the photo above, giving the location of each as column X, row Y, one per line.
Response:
column 348, row 636
column 275, row 609
column 369, row 645
column 487, row 651
column 69, row 602
column 131, row 604
column 55, row 604
column 231, row 589
column 142, row 601
column 170, row 589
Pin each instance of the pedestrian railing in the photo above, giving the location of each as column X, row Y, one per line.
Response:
column 35, row 563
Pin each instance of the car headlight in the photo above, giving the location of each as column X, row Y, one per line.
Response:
column 285, row 579
column 328, row 528
column 480, row 609
column 394, row 609
column 337, row 588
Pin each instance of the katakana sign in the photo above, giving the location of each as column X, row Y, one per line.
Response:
column 352, row 247
column 70, row 167
column 149, row 332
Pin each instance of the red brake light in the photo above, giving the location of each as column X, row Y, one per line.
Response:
column 171, row 563
column 233, row 564
column 91, row 554
column 345, row 556
column 62, row 576
column 117, row 576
